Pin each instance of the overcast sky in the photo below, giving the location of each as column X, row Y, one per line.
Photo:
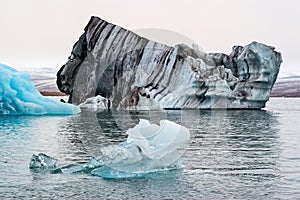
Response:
column 40, row 33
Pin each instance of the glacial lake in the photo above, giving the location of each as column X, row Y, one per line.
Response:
column 233, row 154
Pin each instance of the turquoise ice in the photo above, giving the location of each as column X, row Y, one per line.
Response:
column 149, row 150
column 19, row 96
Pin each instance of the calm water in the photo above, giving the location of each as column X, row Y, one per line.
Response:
column 232, row 154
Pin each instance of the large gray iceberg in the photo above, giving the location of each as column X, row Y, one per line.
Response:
column 133, row 72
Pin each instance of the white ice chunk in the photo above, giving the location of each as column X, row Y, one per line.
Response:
column 149, row 149
column 157, row 141
column 97, row 102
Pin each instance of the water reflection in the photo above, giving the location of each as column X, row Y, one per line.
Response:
column 15, row 124
column 247, row 140
column 232, row 132
column 246, row 153
column 92, row 130
column 235, row 146
column 14, row 135
column 232, row 155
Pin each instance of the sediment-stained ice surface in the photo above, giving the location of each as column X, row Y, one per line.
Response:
column 135, row 73
column 19, row 96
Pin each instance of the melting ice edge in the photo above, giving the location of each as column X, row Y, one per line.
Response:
column 148, row 150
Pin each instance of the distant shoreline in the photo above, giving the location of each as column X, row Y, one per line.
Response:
column 52, row 93
column 277, row 94
column 284, row 87
column 286, row 95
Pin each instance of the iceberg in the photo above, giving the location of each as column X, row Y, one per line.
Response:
column 149, row 149
column 19, row 96
column 136, row 73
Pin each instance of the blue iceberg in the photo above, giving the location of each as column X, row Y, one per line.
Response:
column 18, row 96
column 149, row 150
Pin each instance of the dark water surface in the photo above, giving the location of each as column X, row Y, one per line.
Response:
column 232, row 154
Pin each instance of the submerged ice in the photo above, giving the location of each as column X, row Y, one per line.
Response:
column 18, row 96
column 148, row 149
column 42, row 161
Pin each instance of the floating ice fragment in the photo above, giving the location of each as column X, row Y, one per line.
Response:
column 157, row 141
column 97, row 102
column 149, row 149
column 18, row 96
column 42, row 161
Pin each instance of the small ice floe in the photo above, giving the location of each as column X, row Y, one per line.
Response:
column 42, row 161
column 97, row 102
column 150, row 149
